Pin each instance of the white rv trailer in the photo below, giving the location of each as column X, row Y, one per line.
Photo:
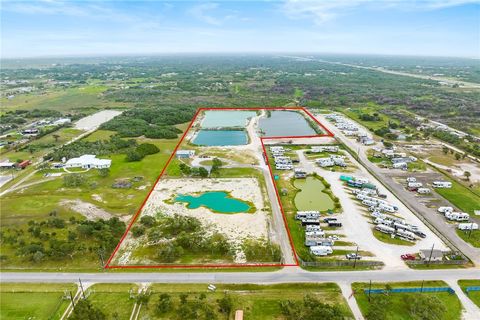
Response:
column 385, row 229
column 321, row 250
column 441, row 184
column 468, row 226
column 411, row 179
column 445, row 209
column 424, row 191
column 415, row 185
column 405, row 234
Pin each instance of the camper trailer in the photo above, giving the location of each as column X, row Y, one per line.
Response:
column 441, row 184
column 468, row 226
column 411, row 179
column 405, row 234
column 334, row 224
column 312, row 227
column 388, row 208
column 316, row 233
column 385, row 229
column 445, row 209
column 306, row 222
column 325, row 162
column 414, row 185
column 321, row 250
column 424, row 191
column 307, row 215
column 369, row 203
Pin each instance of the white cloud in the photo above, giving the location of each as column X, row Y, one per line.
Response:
column 324, row 10
column 205, row 13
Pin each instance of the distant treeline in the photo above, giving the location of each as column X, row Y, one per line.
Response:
column 154, row 122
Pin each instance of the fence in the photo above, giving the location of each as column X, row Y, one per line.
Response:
column 410, row 290
column 358, row 264
column 436, row 263
column 474, row 288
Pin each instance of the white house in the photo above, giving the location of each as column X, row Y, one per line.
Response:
column 88, row 161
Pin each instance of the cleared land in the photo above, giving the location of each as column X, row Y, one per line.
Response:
column 37, row 301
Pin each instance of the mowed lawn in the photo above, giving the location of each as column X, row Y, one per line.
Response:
column 473, row 295
column 113, row 299
column 258, row 302
column 397, row 308
column 461, row 196
column 33, row 301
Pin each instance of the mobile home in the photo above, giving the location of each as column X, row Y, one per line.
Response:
column 321, row 250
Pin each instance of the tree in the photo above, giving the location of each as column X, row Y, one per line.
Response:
column 216, row 165
column 133, row 155
column 143, row 298
column 203, row 172
column 445, row 150
column 310, row 308
column 84, row 310
column 164, row 304
column 458, row 156
column 425, row 307
column 104, row 172
column 467, row 174
column 138, row 231
column 378, row 308
column 55, row 136
column 225, row 304
column 147, row 221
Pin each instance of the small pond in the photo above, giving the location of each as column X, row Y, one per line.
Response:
column 284, row 124
column 217, row 201
column 218, row 119
column 310, row 196
column 221, row 138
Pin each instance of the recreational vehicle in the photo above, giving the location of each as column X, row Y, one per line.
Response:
column 405, row 234
column 445, row 209
column 441, row 184
column 424, row 191
column 321, row 250
column 312, row 227
column 468, row 226
column 385, row 229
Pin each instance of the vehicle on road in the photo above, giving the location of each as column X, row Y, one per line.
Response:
column 408, row 256
column 353, row 256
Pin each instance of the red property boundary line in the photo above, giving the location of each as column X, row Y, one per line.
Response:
column 328, row 134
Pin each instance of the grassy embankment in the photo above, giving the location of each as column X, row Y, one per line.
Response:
column 473, row 295
column 397, row 306
column 33, row 301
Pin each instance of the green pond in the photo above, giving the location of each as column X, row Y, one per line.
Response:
column 310, row 196
column 217, row 201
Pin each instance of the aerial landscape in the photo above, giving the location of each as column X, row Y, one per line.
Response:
column 240, row 160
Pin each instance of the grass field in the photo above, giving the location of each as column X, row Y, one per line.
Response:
column 473, row 295
column 370, row 108
column 33, row 301
column 257, row 301
column 461, row 196
column 471, row 237
column 113, row 299
column 397, row 309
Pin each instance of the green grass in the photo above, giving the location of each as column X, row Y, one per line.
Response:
column 460, row 196
column 99, row 135
column 473, row 295
column 113, row 299
column 397, row 308
column 257, row 301
column 33, row 301
column 473, row 238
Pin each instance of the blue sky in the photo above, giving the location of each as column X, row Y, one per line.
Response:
column 398, row 27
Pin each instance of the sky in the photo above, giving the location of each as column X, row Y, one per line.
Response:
column 94, row 28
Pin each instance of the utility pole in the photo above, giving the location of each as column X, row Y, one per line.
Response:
column 430, row 257
column 71, row 298
column 421, row 289
column 356, row 257
column 470, row 231
column 369, row 290
column 81, row 288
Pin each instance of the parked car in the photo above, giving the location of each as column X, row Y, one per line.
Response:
column 408, row 256
column 353, row 256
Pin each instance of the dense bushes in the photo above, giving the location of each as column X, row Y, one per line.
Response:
column 152, row 122
column 261, row 251
column 141, row 151
column 104, row 147
column 309, row 309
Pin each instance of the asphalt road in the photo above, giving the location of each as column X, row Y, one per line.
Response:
column 409, row 199
column 287, row 274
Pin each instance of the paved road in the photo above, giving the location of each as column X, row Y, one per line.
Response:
column 409, row 199
column 286, row 275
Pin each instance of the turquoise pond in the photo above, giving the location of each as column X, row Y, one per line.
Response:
column 220, row 138
column 217, row 201
column 285, row 123
column 218, row 119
